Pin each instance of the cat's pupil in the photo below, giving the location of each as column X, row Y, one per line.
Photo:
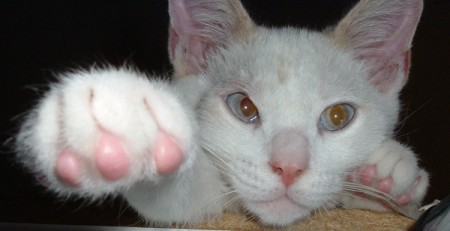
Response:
column 337, row 115
column 247, row 107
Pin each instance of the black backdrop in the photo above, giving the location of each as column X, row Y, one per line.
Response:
column 41, row 37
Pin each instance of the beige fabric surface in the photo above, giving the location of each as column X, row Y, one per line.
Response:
column 337, row 219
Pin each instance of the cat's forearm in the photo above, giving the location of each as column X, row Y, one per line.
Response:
column 189, row 197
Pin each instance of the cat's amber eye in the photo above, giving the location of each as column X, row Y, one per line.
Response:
column 336, row 117
column 242, row 107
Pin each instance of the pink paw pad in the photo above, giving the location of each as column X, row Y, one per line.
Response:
column 367, row 175
column 167, row 154
column 68, row 168
column 111, row 158
column 404, row 199
column 385, row 185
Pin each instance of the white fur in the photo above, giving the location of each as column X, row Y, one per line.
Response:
column 291, row 75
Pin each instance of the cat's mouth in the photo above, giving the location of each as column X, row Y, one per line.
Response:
column 280, row 211
column 281, row 203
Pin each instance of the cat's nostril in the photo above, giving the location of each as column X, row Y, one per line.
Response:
column 277, row 170
column 288, row 173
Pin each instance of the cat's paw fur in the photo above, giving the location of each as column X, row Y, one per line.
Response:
column 100, row 131
column 392, row 170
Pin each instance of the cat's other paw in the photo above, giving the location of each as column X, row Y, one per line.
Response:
column 100, row 131
column 391, row 170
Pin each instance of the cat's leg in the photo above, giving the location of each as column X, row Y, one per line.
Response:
column 392, row 169
column 98, row 132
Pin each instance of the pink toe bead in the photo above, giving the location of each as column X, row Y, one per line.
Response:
column 68, row 168
column 404, row 199
column 167, row 154
column 111, row 158
column 385, row 185
column 367, row 175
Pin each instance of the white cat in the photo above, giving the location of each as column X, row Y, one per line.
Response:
column 276, row 123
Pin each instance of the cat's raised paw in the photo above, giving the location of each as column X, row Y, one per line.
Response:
column 102, row 131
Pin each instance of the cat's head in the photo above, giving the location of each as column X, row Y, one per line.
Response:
column 289, row 112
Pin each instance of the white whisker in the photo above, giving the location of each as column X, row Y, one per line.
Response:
column 231, row 201
column 407, row 210
column 222, row 161
column 402, row 123
column 368, row 190
column 213, row 200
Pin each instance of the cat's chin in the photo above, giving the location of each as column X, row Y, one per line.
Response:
column 279, row 212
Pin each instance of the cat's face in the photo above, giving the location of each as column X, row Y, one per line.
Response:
column 287, row 112
column 294, row 80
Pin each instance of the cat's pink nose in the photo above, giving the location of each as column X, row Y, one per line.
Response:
column 289, row 155
column 288, row 172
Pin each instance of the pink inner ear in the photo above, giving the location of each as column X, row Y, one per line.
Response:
column 185, row 44
column 198, row 27
column 384, row 77
column 381, row 33
column 181, row 24
column 390, row 59
column 181, row 20
column 191, row 50
column 396, row 44
column 173, row 41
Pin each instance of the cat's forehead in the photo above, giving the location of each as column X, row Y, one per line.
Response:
column 292, row 61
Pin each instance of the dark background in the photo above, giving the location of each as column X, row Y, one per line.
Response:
column 38, row 38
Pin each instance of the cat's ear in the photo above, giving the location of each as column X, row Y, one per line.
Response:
column 380, row 32
column 198, row 27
